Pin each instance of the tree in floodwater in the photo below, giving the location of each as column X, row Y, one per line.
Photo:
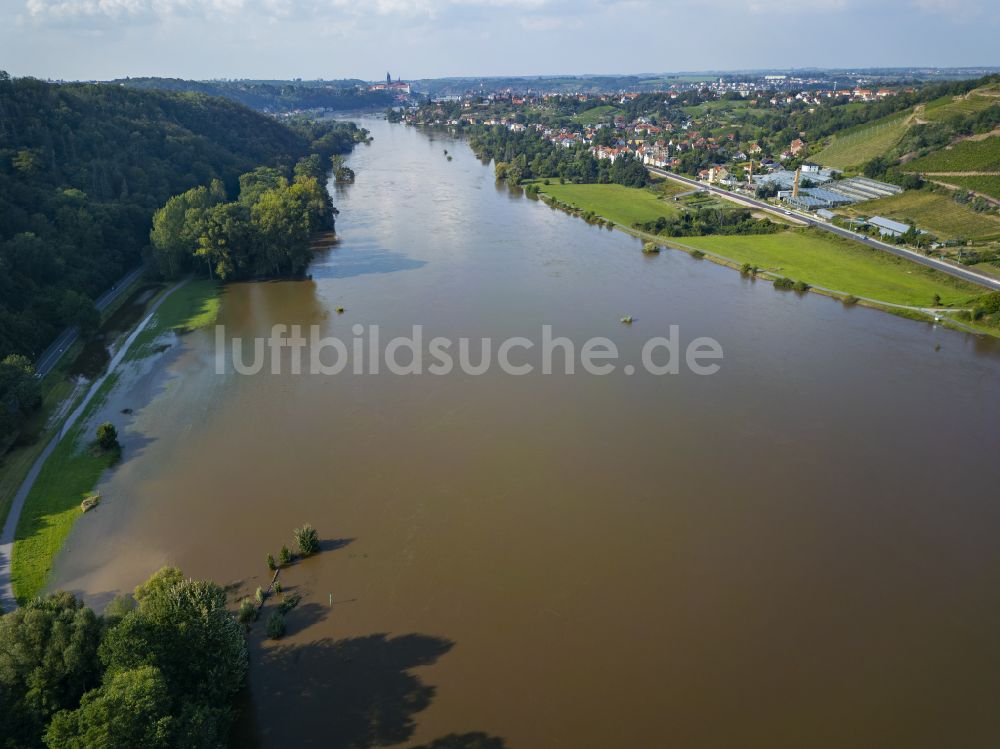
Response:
column 307, row 540
column 107, row 436
column 275, row 625
column 341, row 172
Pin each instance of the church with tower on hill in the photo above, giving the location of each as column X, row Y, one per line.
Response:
column 398, row 87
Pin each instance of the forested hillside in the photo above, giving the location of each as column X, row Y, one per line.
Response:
column 275, row 96
column 83, row 168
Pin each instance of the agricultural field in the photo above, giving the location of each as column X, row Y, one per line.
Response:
column 856, row 146
column 623, row 205
column 976, row 101
column 839, row 264
column 595, row 114
column 964, row 156
column 933, row 212
column 987, row 185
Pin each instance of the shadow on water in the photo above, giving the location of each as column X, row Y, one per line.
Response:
column 343, row 694
column 332, row 544
column 362, row 262
column 474, row 740
column 303, row 616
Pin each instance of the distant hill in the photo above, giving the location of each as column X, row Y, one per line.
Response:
column 275, row 96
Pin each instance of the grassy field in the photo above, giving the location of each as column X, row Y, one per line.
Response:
column 17, row 461
column 53, row 504
column 941, row 109
column 855, row 147
column 990, row 269
column 964, row 156
column 624, row 205
column 717, row 105
column 595, row 114
column 834, row 263
column 932, row 212
column 986, row 185
column 809, row 256
column 75, row 467
column 668, row 188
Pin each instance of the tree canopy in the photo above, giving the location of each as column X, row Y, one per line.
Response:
column 83, row 167
column 162, row 673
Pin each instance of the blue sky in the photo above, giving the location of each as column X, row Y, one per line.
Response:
column 84, row 39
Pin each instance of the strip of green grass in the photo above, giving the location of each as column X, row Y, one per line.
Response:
column 53, row 504
column 42, row 425
column 818, row 259
column 194, row 305
column 842, row 265
column 75, row 468
column 623, row 205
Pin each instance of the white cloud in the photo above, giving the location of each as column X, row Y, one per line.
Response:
column 549, row 23
column 125, row 10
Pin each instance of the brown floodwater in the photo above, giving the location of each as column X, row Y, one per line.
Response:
column 800, row 550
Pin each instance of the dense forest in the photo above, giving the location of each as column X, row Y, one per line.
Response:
column 275, row 96
column 158, row 670
column 527, row 155
column 265, row 232
column 83, row 167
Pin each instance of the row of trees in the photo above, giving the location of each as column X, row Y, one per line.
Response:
column 527, row 155
column 264, row 232
column 158, row 670
column 709, row 221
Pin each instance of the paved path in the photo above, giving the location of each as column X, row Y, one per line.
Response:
column 7, row 601
column 952, row 270
column 67, row 338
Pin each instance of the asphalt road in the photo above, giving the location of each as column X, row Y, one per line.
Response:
column 952, row 270
column 68, row 337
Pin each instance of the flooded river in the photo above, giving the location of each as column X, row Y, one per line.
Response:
column 800, row 550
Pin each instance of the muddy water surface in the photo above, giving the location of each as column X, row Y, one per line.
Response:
column 800, row 550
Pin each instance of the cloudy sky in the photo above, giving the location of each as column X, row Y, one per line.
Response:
column 85, row 39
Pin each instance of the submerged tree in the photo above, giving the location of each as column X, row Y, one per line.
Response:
column 307, row 540
column 107, row 436
column 275, row 625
